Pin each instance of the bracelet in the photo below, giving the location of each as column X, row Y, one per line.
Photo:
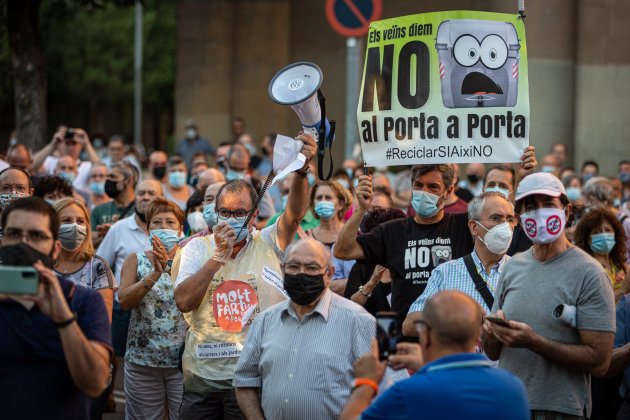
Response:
column 368, row 382
column 305, row 173
column 66, row 322
column 146, row 283
column 219, row 259
column 364, row 293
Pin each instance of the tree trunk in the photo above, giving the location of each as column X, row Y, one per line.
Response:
column 29, row 71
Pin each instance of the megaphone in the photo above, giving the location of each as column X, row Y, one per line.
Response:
column 297, row 85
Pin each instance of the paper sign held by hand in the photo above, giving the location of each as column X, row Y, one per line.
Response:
column 286, row 157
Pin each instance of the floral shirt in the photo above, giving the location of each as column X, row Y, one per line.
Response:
column 157, row 328
column 95, row 274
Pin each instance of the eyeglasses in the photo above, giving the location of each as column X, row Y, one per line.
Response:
column 310, row 269
column 32, row 236
column 9, row 188
column 499, row 219
column 239, row 214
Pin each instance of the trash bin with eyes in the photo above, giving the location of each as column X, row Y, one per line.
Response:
column 478, row 63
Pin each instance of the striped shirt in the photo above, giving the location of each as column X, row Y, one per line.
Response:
column 305, row 367
column 453, row 275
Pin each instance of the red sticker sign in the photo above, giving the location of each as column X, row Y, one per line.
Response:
column 554, row 224
column 234, row 303
column 531, row 228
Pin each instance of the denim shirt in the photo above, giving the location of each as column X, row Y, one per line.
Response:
column 622, row 336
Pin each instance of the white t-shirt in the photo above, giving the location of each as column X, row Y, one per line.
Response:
column 123, row 238
column 81, row 182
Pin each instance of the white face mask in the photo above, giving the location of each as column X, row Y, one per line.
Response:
column 544, row 225
column 196, row 222
column 498, row 238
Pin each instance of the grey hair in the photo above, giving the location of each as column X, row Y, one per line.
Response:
column 325, row 250
column 475, row 207
column 598, row 189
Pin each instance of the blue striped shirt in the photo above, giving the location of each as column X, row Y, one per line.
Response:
column 453, row 275
column 304, row 367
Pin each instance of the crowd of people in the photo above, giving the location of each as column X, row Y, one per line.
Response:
column 508, row 284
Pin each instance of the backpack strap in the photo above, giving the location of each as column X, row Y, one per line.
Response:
column 480, row 285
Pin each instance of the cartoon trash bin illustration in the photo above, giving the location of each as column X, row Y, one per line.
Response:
column 478, row 63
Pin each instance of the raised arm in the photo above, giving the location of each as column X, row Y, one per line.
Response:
column 297, row 202
column 40, row 156
column 347, row 247
column 87, row 145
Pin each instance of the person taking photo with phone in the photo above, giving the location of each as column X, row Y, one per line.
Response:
column 55, row 345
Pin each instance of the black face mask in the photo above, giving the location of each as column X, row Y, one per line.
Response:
column 141, row 216
column 111, row 189
column 23, row 255
column 474, row 178
column 159, row 171
column 302, row 288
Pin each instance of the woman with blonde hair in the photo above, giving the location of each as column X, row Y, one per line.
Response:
column 329, row 202
column 78, row 261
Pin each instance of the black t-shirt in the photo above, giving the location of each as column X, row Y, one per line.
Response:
column 520, row 241
column 411, row 251
column 359, row 275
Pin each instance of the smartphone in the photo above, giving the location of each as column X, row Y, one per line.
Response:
column 18, row 280
column 386, row 333
column 497, row 320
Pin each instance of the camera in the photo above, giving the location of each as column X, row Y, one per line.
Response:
column 69, row 133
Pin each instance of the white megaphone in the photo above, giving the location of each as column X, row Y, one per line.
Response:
column 297, row 85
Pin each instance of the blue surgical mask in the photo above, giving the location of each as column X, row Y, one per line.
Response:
column 500, row 190
column 355, row 182
column 586, row 177
column 285, row 198
column 97, row 188
column 250, row 148
column 169, row 237
column 231, row 175
column 350, row 172
column 311, row 178
column 574, row 193
column 624, row 177
column 424, row 203
column 602, row 243
column 548, row 169
column 237, row 225
column 210, row 215
column 177, row 179
column 616, row 202
column 344, row 183
column 67, row 176
column 325, row 209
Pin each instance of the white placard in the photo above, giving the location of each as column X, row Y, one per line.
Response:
column 218, row 350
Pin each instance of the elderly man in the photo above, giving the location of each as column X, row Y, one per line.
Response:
column 240, row 264
column 490, row 221
column 297, row 359
column 20, row 156
column 14, row 184
column 450, row 382
column 55, row 345
column 536, row 341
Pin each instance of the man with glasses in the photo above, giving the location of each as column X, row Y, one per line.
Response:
column 450, row 381
column 559, row 308
column 297, row 359
column 490, row 221
column 55, row 346
column 225, row 280
column 14, row 184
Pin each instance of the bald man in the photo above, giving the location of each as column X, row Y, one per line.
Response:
column 451, row 383
column 19, row 156
column 208, row 177
column 14, row 184
column 297, row 359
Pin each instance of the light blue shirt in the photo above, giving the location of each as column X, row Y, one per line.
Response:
column 453, row 275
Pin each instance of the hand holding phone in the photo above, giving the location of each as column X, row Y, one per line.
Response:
column 386, row 334
column 497, row 320
column 18, row 280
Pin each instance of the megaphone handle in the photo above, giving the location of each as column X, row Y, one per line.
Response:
column 322, row 140
column 366, row 171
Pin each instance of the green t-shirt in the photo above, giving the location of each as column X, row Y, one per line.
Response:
column 308, row 223
column 109, row 213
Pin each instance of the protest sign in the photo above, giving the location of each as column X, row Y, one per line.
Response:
column 444, row 87
column 234, row 303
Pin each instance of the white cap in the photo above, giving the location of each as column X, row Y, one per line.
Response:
column 540, row 183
